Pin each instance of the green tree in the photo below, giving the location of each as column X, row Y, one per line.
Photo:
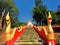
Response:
column 39, row 12
column 8, row 5
column 22, row 24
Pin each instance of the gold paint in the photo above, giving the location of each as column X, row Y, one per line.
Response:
column 45, row 31
column 50, row 29
column 39, row 28
column 8, row 35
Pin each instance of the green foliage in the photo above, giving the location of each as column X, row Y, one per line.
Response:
column 14, row 22
column 39, row 12
column 8, row 5
column 38, row 2
column 22, row 24
column 54, row 16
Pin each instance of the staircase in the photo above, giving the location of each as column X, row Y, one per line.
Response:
column 29, row 37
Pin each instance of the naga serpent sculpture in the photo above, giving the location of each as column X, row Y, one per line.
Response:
column 47, row 34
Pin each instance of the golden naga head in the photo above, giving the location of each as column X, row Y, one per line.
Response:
column 7, row 18
column 49, row 19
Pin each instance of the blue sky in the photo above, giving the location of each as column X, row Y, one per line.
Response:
column 25, row 8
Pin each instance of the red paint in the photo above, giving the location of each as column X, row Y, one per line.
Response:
column 7, row 20
column 49, row 18
column 43, row 36
column 41, row 33
column 51, row 42
column 16, row 35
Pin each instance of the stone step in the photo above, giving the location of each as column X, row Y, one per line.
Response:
column 26, row 41
column 40, row 43
column 30, row 43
